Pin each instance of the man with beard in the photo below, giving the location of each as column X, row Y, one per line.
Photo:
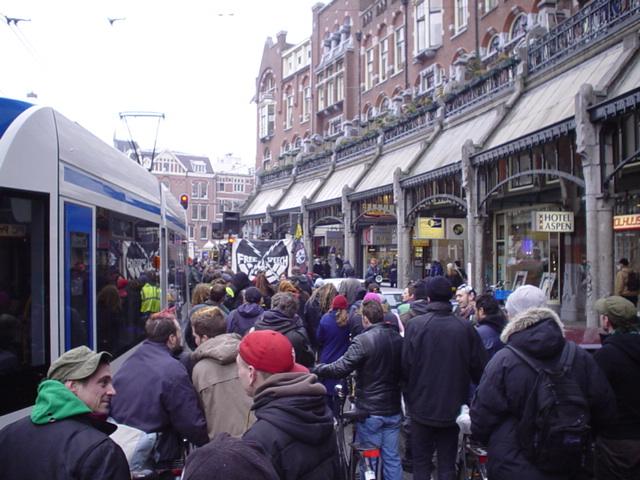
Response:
column 294, row 425
column 156, row 393
column 67, row 435
column 491, row 321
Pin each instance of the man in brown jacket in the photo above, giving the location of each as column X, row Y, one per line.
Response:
column 623, row 287
column 215, row 374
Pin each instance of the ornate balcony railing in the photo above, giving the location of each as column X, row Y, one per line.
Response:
column 317, row 160
column 359, row 147
column 482, row 87
column 413, row 123
column 276, row 173
column 591, row 23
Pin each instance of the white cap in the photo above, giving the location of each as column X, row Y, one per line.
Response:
column 524, row 298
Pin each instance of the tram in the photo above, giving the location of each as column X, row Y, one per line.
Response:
column 82, row 228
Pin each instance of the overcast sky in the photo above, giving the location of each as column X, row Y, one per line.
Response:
column 193, row 60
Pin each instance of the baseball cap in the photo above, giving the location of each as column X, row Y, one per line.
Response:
column 77, row 364
column 269, row 351
column 616, row 307
column 524, row 298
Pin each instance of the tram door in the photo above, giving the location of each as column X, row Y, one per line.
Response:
column 78, row 275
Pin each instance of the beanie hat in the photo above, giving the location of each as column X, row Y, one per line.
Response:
column 318, row 283
column 339, row 303
column 269, row 351
column 524, row 298
column 372, row 296
column 228, row 458
column 252, row 295
column 439, row 289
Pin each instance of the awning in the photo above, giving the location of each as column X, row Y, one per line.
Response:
column 629, row 80
column 262, row 200
column 382, row 171
column 293, row 197
column 554, row 100
column 447, row 148
column 338, row 179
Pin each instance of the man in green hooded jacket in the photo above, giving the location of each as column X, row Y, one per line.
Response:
column 67, row 435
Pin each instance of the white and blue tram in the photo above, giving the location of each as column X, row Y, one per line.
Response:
column 82, row 227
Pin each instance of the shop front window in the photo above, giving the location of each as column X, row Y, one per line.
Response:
column 525, row 256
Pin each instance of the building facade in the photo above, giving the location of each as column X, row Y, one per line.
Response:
column 500, row 134
column 210, row 192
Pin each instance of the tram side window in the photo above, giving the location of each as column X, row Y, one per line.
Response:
column 125, row 250
column 24, row 295
column 177, row 261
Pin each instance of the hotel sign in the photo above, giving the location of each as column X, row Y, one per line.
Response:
column 626, row 222
column 431, row 227
column 553, row 222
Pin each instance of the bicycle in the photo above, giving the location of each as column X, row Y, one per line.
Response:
column 471, row 462
column 352, row 454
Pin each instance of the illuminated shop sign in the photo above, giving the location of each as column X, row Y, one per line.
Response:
column 431, row 227
column 553, row 222
column 626, row 222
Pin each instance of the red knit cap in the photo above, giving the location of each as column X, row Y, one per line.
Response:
column 269, row 351
column 339, row 302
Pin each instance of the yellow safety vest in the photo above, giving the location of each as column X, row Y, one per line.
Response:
column 150, row 296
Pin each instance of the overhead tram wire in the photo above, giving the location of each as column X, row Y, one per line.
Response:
column 159, row 116
column 12, row 23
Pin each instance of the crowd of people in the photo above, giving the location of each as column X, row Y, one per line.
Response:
column 248, row 380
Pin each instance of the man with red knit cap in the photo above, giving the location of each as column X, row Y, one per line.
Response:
column 294, row 426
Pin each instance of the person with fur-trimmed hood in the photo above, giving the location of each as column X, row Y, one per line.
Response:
column 507, row 382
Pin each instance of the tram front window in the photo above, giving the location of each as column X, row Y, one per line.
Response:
column 24, row 291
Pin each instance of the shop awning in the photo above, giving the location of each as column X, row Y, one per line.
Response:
column 554, row 100
column 338, row 179
column 263, row 199
column 447, row 148
column 382, row 172
column 629, row 80
column 293, row 198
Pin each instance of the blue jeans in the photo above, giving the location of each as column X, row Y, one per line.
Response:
column 383, row 432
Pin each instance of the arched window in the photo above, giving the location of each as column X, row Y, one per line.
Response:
column 297, row 143
column 494, row 44
column 518, row 27
column 384, row 105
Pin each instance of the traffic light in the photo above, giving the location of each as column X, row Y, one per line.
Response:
column 184, row 201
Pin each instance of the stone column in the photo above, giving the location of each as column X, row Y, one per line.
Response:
column 307, row 234
column 475, row 221
column 403, row 231
column 598, row 210
column 350, row 250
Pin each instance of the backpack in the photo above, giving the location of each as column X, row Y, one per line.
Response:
column 633, row 281
column 554, row 431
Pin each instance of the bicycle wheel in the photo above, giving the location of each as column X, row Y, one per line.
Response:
column 344, row 453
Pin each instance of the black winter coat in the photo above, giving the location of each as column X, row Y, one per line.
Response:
column 507, row 382
column 311, row 320
column 291, row 328
column 441, row 356
column 294, row 427
column 619, row 359
column 376, row 356
column 74, row 448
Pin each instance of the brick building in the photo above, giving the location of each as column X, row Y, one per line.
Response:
column 211, row 192
column 451, row 130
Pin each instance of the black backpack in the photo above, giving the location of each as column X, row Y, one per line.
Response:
column 554, row 431
column 633, row 281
